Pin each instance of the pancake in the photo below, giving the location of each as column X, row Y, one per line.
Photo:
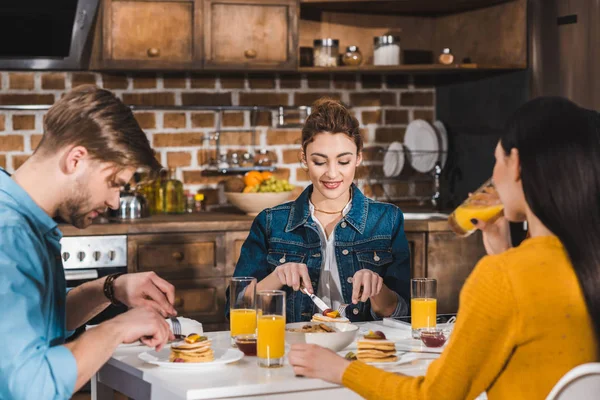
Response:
column 323, row 318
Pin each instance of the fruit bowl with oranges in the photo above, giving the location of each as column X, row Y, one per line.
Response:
column 260, row 190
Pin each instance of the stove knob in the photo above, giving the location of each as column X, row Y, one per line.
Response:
column 111, row 255
column 97, row 255
column 80, row 256
column 65, row 256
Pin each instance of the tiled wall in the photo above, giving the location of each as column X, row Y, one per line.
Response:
column 384, row 105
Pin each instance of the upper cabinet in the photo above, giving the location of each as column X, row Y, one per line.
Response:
column 151, row 34
column 268, row 34
column 250, row 34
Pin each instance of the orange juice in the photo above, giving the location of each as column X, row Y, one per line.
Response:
column 271, row 336
column 242, row 321
column 460, row 219
column 423, row 313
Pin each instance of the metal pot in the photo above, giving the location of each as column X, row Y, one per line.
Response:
column 133, row 205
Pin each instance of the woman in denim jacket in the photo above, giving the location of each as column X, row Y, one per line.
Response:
column 332, row 239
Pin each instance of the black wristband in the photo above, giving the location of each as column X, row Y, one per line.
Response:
column 109, row 288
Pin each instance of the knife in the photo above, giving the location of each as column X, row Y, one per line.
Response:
column 318, row 302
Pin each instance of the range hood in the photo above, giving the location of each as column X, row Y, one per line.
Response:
column 45, row 34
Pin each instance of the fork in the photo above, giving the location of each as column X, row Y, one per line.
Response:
column 176, row 328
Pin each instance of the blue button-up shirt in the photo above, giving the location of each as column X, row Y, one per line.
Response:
column 34, row 364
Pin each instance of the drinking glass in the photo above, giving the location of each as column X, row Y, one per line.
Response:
column 242, row 301
column 270, row 347
column 484, row 204
column 423, row 304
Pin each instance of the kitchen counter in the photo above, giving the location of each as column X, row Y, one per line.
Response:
column 213, row 221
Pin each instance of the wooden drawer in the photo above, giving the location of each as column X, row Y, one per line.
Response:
column 252, row 33
column 200, row 299
column 148, row 33
column 189, row 255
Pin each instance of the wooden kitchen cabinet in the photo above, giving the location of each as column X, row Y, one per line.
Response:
column 141, row 34
column 250, row 34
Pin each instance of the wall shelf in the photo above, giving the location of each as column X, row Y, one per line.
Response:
column 412, row 68
column 408, row 7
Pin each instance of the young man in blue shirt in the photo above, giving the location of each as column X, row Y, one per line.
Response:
column 91, row 146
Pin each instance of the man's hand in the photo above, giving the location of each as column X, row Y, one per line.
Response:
column 144, row 324
column 146, row 289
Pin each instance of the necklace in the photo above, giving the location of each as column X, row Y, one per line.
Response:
column 329, row 212
column 333, row 212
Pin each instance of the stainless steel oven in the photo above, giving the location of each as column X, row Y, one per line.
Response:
column 86, row 258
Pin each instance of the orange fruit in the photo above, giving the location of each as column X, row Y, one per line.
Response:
column 253, row 178
column 266, row 175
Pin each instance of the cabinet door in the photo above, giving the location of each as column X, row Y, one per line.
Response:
column 151, row 34
column 250, row 33
column 418, row 254
column 233, row 246
column 200, row 299
column 450, row 260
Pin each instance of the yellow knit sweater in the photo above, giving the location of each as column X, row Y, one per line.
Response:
column 522, row 324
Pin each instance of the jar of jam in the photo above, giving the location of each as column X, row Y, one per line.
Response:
column 352, row 57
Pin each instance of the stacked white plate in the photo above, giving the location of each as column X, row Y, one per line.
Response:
column 427, row 144
column 393, row 160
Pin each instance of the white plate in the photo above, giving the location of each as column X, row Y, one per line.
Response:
column 403, row 357
column 398, row 149
column 423, row 143
column 223, row 356
column 443, row 133
column 390, row 161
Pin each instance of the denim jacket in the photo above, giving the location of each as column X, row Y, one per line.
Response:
column 370, row 236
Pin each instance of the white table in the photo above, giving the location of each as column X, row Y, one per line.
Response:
column 133, row 377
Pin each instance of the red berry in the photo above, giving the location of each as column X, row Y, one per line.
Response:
column 327, row 311
column 380, row 334
column 179, row 360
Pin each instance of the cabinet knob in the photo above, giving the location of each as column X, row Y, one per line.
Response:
column 250, row 53
column 177, row 255
column 178, row 302
column 153, row 52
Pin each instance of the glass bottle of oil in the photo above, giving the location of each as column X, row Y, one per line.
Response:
column 145, row 186
column 158, row 192
column 174, row 202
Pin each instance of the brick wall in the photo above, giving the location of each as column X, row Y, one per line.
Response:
column 384, row 105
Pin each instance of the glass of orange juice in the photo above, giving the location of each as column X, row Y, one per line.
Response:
column 484, row 204
column 242, row 300
column 270, row 346
column 423, row 304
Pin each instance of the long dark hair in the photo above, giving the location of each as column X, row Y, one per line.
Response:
column 559, row 151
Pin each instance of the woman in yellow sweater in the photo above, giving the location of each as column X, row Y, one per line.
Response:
column 531, row 313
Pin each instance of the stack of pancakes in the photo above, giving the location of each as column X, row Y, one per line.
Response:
column 372, row 350
column 197, row 352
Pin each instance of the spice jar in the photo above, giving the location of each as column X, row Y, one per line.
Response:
column 247, row 160
column 352, row 56
column 387, row 50
column 446, row 57
column 325, row 53
column 264, row 158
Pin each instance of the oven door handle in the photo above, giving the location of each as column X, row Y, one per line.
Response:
column 75, row 275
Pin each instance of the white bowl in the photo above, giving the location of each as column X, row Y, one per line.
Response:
column 336, row 341
column 253, row 203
